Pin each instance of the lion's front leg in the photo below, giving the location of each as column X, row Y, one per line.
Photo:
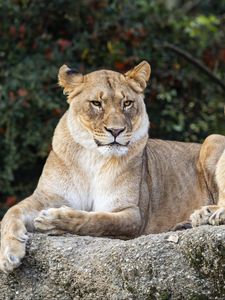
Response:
column 13, row 243
column 213, row 214
column 14, row 226
column 126, row 222
column 14, row 233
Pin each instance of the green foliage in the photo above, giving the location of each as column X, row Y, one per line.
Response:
column 37, row 37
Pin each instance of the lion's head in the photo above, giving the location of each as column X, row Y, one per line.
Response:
column 107, row 111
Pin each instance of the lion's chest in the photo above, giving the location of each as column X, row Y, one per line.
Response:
column 91, row 189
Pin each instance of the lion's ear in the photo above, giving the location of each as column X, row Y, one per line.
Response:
column 138, row 76
column 69, row 79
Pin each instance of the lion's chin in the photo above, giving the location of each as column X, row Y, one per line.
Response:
column 113, row 150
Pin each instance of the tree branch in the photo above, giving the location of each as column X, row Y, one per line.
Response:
column 190, row 5
column 195, row 62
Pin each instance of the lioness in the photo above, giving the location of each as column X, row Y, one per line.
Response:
column 104, row 176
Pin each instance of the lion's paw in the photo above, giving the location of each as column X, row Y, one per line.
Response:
column 218, row 217
column 12, row 253
column 201, row 216
column 8, row 262
column 45, row 220
column 63, row 218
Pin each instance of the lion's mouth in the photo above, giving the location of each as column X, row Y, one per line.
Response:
column 114, row 143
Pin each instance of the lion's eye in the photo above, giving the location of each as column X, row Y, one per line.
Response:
column 96, row 103
column 128, row 103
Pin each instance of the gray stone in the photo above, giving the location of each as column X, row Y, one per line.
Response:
column 182, row 265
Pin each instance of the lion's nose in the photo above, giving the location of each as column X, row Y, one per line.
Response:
column 115, row 131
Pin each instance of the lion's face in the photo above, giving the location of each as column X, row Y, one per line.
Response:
column 107, row 110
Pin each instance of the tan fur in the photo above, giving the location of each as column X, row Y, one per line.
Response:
column 90, row 186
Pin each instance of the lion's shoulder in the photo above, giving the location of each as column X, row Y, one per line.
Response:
column 170, row 156
column 165, row 148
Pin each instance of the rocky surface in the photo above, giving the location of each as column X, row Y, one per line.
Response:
column 177, row 265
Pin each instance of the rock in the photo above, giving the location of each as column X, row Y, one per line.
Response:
column 149, row 267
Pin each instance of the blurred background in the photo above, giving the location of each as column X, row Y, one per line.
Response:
column 184, row 41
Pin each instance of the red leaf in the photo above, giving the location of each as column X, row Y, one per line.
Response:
column 22, row 92
column 11, row 200
column 22, row 29
column 48, row 54
column 222, row 55
column 12, row 30
column 209, row 58
column 120, row 66
column 12, row 96
column 2, row 130
column 63, row 44
column 57, row 112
